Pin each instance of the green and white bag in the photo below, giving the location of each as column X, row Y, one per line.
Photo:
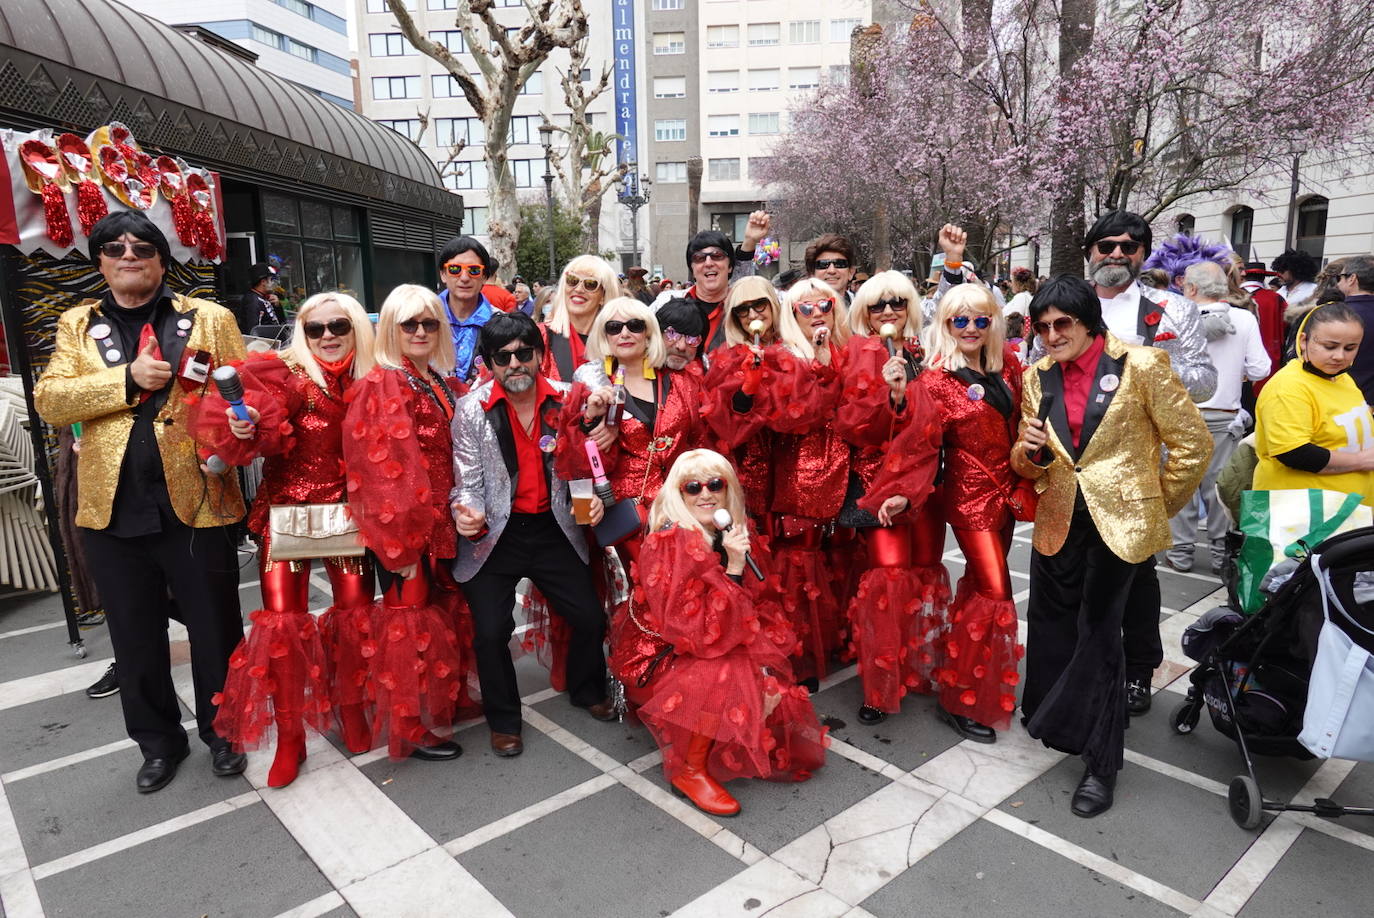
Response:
column 1288, row 524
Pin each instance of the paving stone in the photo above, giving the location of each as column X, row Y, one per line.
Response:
column 1319, row 875
column 72, row 808
column 624, row 740
column 1356, row 790
column 613, row 855
column 480, row 786
column 55, row 727
column 907, row 739
column 986, row 870
column 1167, row 830
column 48, row 650
column 242, row 864
column 1179, row 592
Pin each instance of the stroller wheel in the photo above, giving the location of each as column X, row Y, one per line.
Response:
column 1247, row 806
column 1185, row 717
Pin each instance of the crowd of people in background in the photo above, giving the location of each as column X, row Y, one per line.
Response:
column 718, row 492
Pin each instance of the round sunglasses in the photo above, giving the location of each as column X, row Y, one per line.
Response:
column 979, row 322
column 693, row 488
column 633, row 326
column 821, row 306
column 336, row 327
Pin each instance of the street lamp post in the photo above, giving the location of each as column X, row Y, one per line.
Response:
column 635, row 192
column 546, row 138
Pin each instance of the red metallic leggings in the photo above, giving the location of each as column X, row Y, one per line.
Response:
column 919, row 543
column 985, row 556
column 287, row 590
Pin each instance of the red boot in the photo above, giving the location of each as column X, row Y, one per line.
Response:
column 290, row 750
column 357, row 735
column 697, row 785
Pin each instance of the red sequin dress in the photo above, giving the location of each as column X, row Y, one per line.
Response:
column 279, row 672
column 977, row 672
column 398, row 452
column 897, row 611
column 722, row 667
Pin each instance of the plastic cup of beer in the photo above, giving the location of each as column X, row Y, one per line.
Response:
column 582, row 494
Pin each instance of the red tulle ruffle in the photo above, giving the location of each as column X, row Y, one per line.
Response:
column 278, row 670
column 895, row 622
column 349, row 648
column 808, row 599
column 979, row 654
column 417, row 676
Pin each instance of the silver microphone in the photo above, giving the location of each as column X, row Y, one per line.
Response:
column 725, row 522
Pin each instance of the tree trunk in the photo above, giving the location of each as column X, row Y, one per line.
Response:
column 863, row 48
column 693, row 195
column 1077, row 18
column 503, row 212
column 591, row 227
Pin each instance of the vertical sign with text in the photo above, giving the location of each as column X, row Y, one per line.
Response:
column 626, row 92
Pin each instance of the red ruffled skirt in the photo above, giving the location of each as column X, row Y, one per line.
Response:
column 978, row 669
column 278, row 670
column 896, row 621
column 809, row 603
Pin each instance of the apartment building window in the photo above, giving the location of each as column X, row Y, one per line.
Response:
column 669, row 129
column 1311, row 226
column 804, row 32
column 527, row 172
column 534, row 86
column 841, row 29
column 522, row 128
column 467, row 175
column 266, row 36
column 732, row 225
column 803, row 77
column 475, row 221
column 296, row 49
column 765, row 33
column 452, row 39
column 407, row 127
column 839, row 74
column 670, row 43
column 723, row 125
column 764, row 80
column 722, row 81
column 763, row 123
column 442, row 4
column 667, row 5
column 723, row 170
column 670, row 173
column 1242, row 230
column 379, row 6
column 388, row 44
column 448, row 131
column 397, row 87
column 444, row 86
column 299, row 7
column 722, row 36
column 670, row 87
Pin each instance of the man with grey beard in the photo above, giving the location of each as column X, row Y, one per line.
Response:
column 684, row 331
column 1115, row 248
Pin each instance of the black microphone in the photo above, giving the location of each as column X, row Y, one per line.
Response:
column 1042, row 455
column 231, row 390
column 725, row 522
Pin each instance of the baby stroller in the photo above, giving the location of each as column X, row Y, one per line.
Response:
column 1254, row 672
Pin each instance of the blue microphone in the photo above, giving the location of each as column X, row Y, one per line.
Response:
column 231, row 390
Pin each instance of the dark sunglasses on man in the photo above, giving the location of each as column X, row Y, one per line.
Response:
column 709, row 254
column 633, row 326
column 411, row 326
column 521, row 355
column 1128, row 247
column 336, row 327
column 823, row 263
column 116, row 249
column 472, row 270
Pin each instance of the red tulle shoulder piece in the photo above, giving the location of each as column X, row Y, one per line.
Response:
column 803, row 393
column 723, row 381
column 690, row 600
column 570, row 460
column 387, row 484
column 268, row 387
column 910, row 463
column 864, row 416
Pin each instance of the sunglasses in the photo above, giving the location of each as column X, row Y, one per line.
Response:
column 590, row 284
column 820, row 306
column 896, row 304
column 411, row 326
column 117, row 249
column 979, row 322
column 715, row 486
column 336, row 327
column 760, row 306
column 472, row 270
column 633, row 326
column 672, row 336
column 709, row 255
column 1108, row 246
column 823, row 263
column 1060, row 325
column 521, row 355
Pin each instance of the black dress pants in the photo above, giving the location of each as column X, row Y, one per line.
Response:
column 200, row 566
column 1074, row 697
column 1140, row 627
column 532, row 545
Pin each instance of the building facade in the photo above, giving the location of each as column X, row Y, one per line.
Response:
column 304, row 41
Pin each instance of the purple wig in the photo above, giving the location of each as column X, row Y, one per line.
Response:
column 1177, row 254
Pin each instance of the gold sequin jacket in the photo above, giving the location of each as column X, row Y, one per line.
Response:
column 1136, row 406
column 85, row 381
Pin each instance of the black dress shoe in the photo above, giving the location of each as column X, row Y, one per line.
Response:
column 156, row 773
column 813, row 685
column 1138, row 696
column 968, row 728
column 439, row 752
column 1093, row 796
column 871, row 716
column 105, row 686
column 225, row 762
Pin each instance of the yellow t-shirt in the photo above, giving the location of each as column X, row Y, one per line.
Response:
column 1297, row 407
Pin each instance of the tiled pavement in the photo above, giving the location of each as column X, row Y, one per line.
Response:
column 903, row 819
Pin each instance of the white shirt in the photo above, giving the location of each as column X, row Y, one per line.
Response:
column 1121, row 314
column 1298, row 292
column 1019, row 303
column 1237, row 358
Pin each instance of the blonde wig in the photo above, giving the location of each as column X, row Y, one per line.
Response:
column 743, row 290
column 624, row 308
column 363, row 337
column 560, row 321
column 811, row 288
column 411, row 301
column 700, row 465
column 941, row 343
column 886, row 285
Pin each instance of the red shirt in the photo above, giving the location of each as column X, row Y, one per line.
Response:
column 1079, row 374
column 531, row 484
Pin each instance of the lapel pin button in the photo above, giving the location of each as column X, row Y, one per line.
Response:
column 112, row 355
column 183, row 323
column 99, row 331
column 1109, row 382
